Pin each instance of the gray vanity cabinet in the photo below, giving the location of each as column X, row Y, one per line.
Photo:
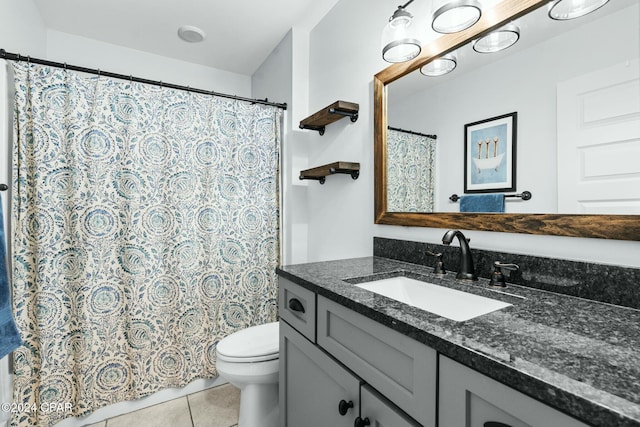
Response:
column 379, row 412
column 468, row 398
column 320, row 382
column 400, row 368
column 341, row 368
column 314, row 389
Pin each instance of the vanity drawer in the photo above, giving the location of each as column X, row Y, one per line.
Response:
column 298, row 307
column 380, row 412
column 397, row 366
column 469, row 398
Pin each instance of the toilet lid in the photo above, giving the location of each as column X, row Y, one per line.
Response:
column 254, row 344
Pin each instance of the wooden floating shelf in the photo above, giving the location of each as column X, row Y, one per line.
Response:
column 321, row 172
column 330, row 114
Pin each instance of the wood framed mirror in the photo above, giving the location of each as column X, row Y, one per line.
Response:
column 606, row 226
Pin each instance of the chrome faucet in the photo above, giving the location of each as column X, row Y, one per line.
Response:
column 466, row 272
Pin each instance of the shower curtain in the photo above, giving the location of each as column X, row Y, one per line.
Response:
column 146, row 225
column 411, row 172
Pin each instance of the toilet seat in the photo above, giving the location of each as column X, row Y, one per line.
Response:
column 255, row 344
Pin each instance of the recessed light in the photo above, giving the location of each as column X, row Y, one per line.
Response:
column 191, row 34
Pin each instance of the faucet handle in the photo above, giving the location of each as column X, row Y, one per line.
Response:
column 497, row 277
column 439, row 267
column 501, row 265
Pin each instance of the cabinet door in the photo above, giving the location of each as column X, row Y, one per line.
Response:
column 379, row 412
column 400, row 368
column 312, row 385
column 468, row 398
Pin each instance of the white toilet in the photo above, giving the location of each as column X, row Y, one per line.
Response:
column 248, row 359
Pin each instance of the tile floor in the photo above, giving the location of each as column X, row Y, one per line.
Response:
column 214, row 407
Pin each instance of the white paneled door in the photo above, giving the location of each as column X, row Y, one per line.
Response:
column 599, row 141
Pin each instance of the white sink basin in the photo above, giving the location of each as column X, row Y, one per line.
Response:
column 445, row 302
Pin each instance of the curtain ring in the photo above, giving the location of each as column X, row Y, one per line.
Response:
column 130, row 78
column 29, row 59
column 98, row 72
column 65, row 66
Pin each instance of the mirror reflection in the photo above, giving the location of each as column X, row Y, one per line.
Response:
column 575, row 88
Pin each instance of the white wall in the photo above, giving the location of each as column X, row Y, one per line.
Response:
column 344, row 55
column 21, row 28
column 273, row 79
column 63, row 47
column 532, row 74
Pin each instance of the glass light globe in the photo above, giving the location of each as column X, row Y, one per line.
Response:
column 456, row 15
column 400, row 41
column 441, row 66
column 497, row 40
column 563, row 10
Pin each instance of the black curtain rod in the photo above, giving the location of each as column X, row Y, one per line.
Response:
column 18, row 57
column 412, row 132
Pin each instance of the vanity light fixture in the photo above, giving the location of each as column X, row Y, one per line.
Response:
column 191, row 34
column 456, row 15
column 562, row 10
column 400, row 41
column 441, row 66
column 497, row 40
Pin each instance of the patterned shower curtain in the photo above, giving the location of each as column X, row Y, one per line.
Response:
column 411, row 172
column 146, row 225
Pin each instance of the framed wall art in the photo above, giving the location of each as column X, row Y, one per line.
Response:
column 490, row 154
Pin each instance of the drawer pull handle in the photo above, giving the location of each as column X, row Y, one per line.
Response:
column 495, row 424
column 361, row 423
column 296, row 305
column 344, row 406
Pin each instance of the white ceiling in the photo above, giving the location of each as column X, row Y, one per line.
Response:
column 240, row 34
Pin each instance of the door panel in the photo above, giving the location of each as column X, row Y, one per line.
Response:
column 312, row 385
column 599, row 142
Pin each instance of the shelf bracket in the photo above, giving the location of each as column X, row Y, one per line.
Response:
column 320, row 173
column 320, row 179
column 353, row 116
column 354, row 173
column 320, row 129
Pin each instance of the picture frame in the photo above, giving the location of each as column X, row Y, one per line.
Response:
column 490, row 154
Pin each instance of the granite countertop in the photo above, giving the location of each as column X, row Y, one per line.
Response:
column 576, row 355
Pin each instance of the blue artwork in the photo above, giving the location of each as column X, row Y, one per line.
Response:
column 488, row 152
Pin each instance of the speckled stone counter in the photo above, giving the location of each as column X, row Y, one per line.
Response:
column 605, row 283
column 579, row 356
